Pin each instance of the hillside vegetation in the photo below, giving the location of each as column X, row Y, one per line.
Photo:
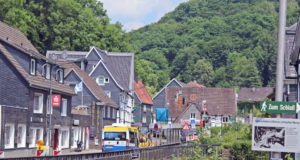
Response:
column 225, row 43
column 64, row 24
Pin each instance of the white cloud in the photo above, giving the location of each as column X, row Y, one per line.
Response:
column 137, row 13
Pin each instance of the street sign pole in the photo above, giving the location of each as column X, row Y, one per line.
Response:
column 280, row 60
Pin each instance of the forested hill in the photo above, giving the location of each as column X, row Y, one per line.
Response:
column 226, row 43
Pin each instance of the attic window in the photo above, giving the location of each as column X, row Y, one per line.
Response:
column 100, row 80
column 60, row 76
column 106, row 80
column 46, row 71
column 32, row 67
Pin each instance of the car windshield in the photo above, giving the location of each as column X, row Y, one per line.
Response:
column 117, row 136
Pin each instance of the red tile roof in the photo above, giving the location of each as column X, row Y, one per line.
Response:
column 219, row 101
column 194, row 84
column 142, row 93
column 254, row 94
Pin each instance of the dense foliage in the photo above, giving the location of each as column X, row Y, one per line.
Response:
column 64, row 24
column 227, row 43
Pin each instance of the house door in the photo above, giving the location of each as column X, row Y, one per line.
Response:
column 55, row 139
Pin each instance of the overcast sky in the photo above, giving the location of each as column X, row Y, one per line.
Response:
column 134, row 14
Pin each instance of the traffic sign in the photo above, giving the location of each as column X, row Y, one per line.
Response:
column 276, row 107
column 193, row 123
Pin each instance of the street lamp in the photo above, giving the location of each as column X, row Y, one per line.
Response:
column 49, row 135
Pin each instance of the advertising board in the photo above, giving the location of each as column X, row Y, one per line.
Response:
column 276, row 135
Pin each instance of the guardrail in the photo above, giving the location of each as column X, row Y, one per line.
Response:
column 150, row 153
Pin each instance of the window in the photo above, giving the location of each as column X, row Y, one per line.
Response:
column 131, row 137
column 46, row 71
column 60, row 76
column 103, row 114
column 100, row 80
column 64, row 106
column 107, row 93
column 113, row 113
column 35, row 134
column 21, row 135
column 108, row 112
column 38, row 103
column 106, row 80
column 75, row 136
column 144, row 108
column 49, row 107
column 118, row 136
column 64, row 137
column 144, row 120
column 32, row 67
column 193, row 115
column 9, row 135
column 151, row 109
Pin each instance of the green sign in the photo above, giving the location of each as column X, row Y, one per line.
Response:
column 275, row 107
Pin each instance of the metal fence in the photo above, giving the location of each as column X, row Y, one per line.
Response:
column 152, row 153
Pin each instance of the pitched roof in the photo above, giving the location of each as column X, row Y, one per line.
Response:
column 254, row 94
column 194, row 84
column 16, row 37
column 91, row 84
column 72, row 55
column 142, row 93
column 181, row 84
column 37, row 81
column 186, row 109
column 120, row 65
column 219, row 101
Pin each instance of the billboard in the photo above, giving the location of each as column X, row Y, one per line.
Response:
column 276, row 135
column 162, row 114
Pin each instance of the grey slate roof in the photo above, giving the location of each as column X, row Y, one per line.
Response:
column 121, row 67
column 72, row 55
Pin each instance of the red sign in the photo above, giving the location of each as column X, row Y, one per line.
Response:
column 56, row 100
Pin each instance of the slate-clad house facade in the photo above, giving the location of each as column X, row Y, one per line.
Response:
column 90, row 100
column 143, row 108
column 159, row 100
column 113, row 72
column 27, row 78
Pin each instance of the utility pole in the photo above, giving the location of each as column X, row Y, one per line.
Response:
column 280, row 59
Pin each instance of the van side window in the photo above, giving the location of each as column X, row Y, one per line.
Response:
column 131, row 137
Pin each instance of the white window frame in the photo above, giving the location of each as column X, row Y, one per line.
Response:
column 144, row 108
column 107, row 93
column 106, row 80
column 65, row 139
column 144, row 119
column 49, row 106
column 64, row 107
column 151, row 109
column 193, row 115
column 11, row 135
column 34, row 135
column 108, row 112
column 114, row 113
column 33, row 66
column 60, row 75
column 23, row 136
column 40, row 101
column 76, row 137
column 99, row 82
column 46, row 71
column 103, row 114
